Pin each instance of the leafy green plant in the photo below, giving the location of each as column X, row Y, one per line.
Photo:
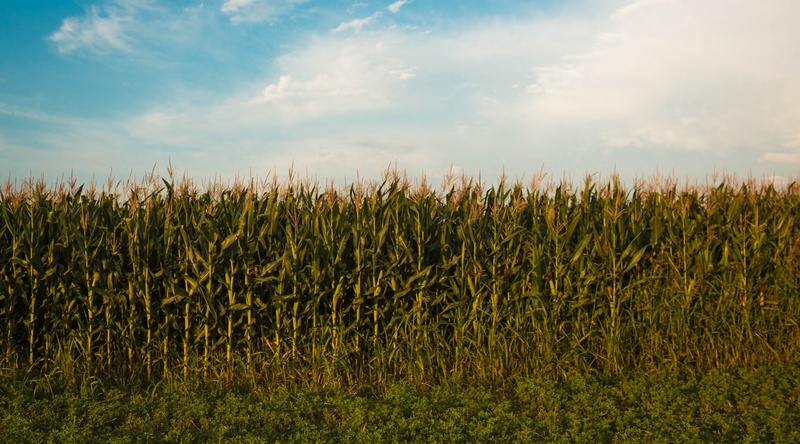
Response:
column 387, row 281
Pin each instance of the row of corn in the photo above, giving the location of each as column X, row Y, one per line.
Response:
column 385, row 280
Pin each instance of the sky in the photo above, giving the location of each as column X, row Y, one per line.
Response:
column 340, row 90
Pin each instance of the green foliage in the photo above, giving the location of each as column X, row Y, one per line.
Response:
column 755, row 405
column 382, row 282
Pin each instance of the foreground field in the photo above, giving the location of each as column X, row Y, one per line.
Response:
column 285, row 312
column 760, row 405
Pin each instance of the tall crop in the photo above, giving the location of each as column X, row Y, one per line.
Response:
column 385, row 280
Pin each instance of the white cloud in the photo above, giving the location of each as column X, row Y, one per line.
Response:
column 404, row 74
column 150, row 29
column 357, row 24
column 711, row 75
column 652, row 84
column 330, row 81
column 144, row 32
column 356, row 5
column 792, row 141
column 343, row 157
column 98, row 31
column 335, row 76
column 59, row 145
column 632, row 8
column 337, row 92
column 233, row 6
column 243, row 11
column 394, row 8
column 28, row 114
column 275, row 91
column 783, row 158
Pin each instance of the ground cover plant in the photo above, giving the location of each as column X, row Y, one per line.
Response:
column 384, row 281
column 752, row 405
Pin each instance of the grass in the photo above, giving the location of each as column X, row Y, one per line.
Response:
column 753, row 405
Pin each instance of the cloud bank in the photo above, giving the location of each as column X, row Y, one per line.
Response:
column 688, row 86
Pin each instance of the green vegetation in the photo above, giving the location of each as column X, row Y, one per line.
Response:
column 384, row 282
column 758, row 405
column 385, row 312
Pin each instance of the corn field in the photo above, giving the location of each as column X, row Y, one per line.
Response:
column 380, row 281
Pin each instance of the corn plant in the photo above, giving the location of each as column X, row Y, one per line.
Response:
column 386, row 280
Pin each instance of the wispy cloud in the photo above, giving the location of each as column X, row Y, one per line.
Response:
column 334, row 76
column 357, row 79
column 790, row 158
column 61, row 144
column 22, row 113
column 789, row 153
column 357, row 24
column 100, row 30
column 243, row 11
column 356, row 5
column 140, row 30
column 233, row 6
column 635, row 6
column 394, row 8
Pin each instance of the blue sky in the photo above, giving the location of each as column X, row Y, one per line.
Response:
column 337, row 89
